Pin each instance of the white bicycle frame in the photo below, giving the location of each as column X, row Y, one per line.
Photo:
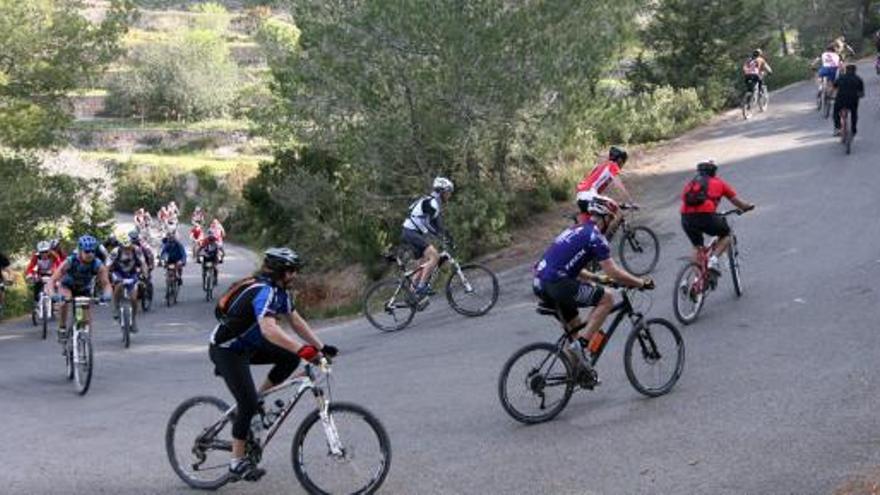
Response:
column 309, row 379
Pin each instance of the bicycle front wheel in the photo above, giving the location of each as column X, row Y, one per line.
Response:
column 125, row 317
column 733, row 258
column 763, row 100
column 83, row 362
column 198, row 441
column 689, row 293
column 639, row 250
column 387, row 305
column 47, row 314
column 536, row 383
column 653, row 357
column 474, row 291
column 348, row 452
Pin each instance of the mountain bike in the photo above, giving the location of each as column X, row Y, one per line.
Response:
column 846, row 135
column 390, row 305
column 209, row 278
column 42, row 312
column 695, row 280
column 755, row 99
column 538, row 380
column 126, row 310
column 338, row 448
column 76, row 341
column 172, row 284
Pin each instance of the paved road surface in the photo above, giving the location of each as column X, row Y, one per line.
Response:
column 779, row 393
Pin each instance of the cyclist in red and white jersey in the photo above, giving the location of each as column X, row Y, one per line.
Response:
column 594, row 184
column 827, row 74
column 754, row 69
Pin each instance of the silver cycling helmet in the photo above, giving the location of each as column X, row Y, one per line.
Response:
column 442, row 184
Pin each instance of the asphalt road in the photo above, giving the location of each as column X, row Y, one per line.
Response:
column 779, row 394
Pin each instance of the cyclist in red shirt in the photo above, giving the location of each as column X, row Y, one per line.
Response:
column 698, row 210
column 195, row 235
column 43, row 263
column 594, row 184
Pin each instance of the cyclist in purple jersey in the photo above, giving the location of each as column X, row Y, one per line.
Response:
column 561, row 280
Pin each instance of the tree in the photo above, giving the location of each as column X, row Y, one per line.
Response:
column 702, row 43
column 401, row 90
column 190, row 77
column 47, row 49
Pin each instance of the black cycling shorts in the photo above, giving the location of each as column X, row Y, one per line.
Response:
column 568, row 295
column 417, row 241
column 697, row 224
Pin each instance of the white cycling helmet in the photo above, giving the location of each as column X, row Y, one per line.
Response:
column 443, row 184
column 602, row 206
column 43, row 247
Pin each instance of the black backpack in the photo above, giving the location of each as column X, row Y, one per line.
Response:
column 225, row 302
column 697, row 190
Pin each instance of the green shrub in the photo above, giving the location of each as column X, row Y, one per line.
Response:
column 140, row 186
column 18, row 297
column 788, row 70
column 190, row 77
column 214, row 16
column 660, row 114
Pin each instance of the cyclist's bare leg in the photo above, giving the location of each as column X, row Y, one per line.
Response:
column 598, row 315
column 117, row 295
column 65, row 296
column 615, row 221
column 721, row 245
column 432, row 258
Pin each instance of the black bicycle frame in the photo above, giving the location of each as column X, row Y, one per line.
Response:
column 621, row 310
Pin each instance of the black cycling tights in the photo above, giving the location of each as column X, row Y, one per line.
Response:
column 235, row 369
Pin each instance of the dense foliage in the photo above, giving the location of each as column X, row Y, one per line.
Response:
column 190, row 77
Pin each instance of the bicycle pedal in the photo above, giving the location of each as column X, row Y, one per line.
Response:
column 255, row 475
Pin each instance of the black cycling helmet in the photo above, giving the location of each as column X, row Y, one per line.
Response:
column 707, row 167
column 281, row 259
column 618, row 155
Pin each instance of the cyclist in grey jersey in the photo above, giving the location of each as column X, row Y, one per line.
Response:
column 425, row 219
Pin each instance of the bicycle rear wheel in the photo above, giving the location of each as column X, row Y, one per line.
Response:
column 653, row 357
column 536, row 383
column 47, row 314
column 388, row 305
column 348, row 453
column 826, row 102
column 689, row 293
column 475, row 292
column 747, row 106
column 83, row 362
column 733, row 259
column 639, row 250
column 198, row 441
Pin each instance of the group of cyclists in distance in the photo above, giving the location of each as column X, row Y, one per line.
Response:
column 101, row 267
column 835, row 79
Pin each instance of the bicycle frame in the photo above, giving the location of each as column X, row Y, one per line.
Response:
column 308, row 380
column 621, row 310
column 445, row 256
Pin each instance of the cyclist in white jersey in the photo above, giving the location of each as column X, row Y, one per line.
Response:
column 425, row 219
